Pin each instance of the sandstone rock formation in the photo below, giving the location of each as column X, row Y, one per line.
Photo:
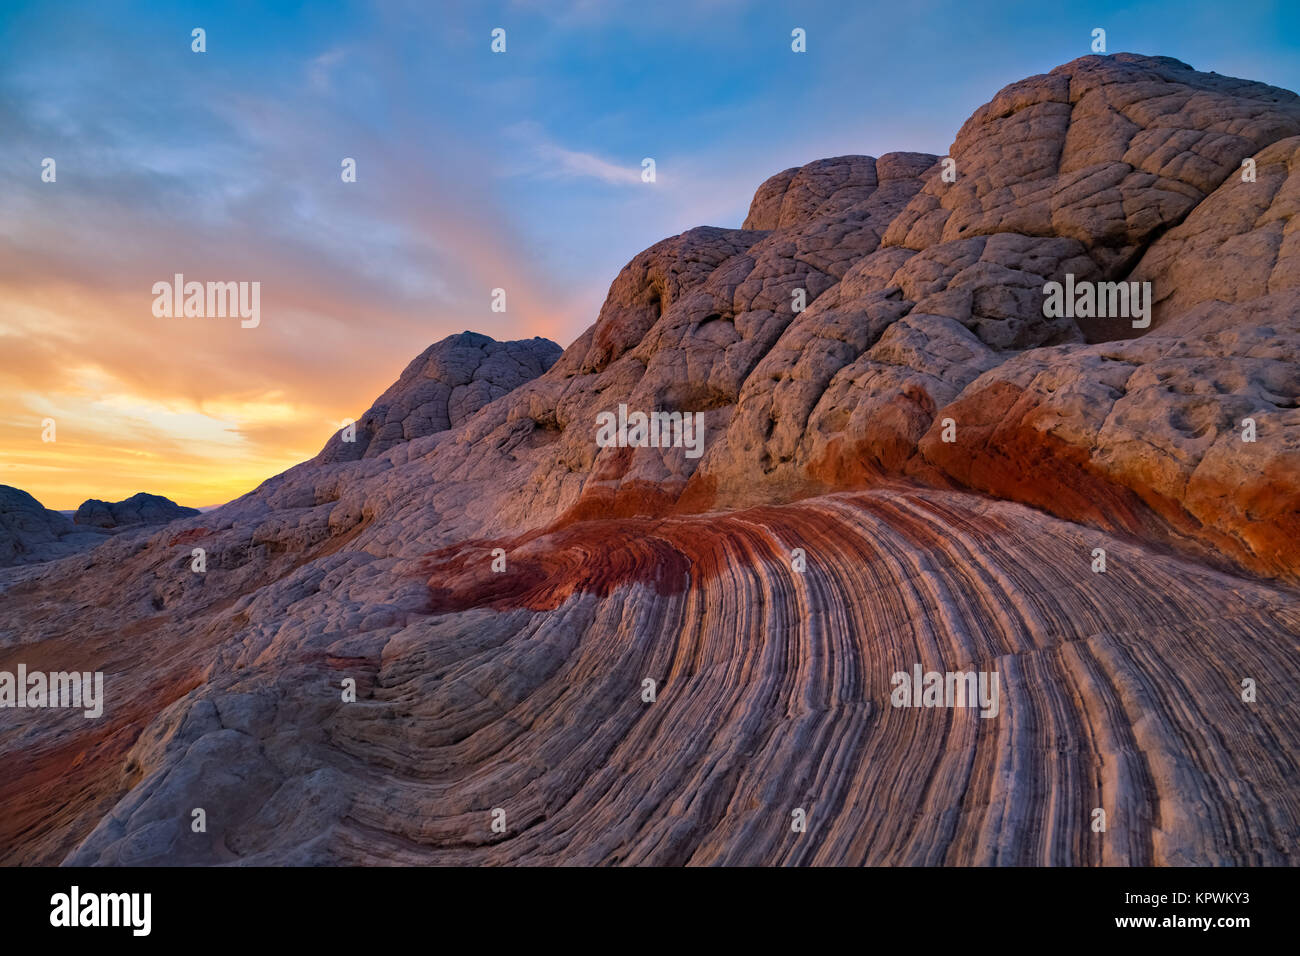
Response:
column 138, row 509
column 30, row 532
column 445, row 385
column 919, row 468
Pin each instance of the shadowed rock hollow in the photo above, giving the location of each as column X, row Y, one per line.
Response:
column 521, row 689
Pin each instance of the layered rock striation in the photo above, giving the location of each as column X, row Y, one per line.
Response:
column 920, row 468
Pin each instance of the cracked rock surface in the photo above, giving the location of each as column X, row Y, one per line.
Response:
column 946, row 459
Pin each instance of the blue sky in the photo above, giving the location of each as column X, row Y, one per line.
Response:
column 475, row 171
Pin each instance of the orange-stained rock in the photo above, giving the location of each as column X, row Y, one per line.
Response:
column 828, row 537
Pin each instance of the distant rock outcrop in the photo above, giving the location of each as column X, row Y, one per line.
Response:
column 139, row 509
column 920, row 469
column 30, row 532
column 447, row 383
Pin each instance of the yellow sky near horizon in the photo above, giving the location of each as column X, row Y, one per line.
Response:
column 110, row 441
column 197, row 409
column 202, row 409
column 114, row 449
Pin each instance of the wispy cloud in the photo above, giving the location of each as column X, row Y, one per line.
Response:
column 475, row 171
column 534, row 153
column 568, row 162
column 321, row 68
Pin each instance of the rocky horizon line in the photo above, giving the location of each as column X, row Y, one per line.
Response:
column 469, row 631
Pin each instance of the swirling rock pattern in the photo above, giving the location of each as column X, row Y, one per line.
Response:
column 920, row 468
